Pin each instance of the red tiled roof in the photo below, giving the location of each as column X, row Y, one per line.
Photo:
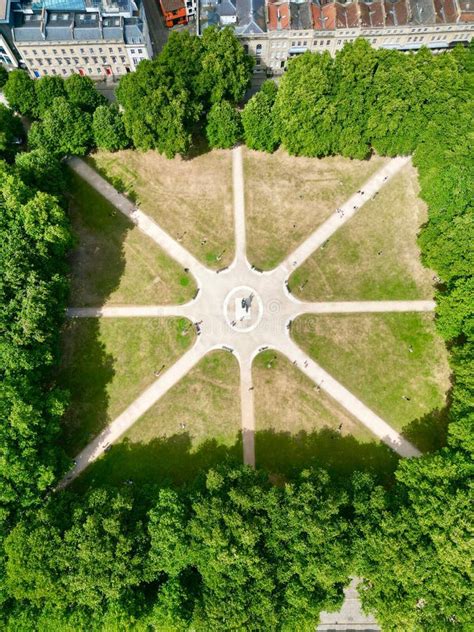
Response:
column 445, row 11
column 396, row 13
column 278, row 16
column 324, row 18
column 347, row 15
column 371, row 14
column 171, row 5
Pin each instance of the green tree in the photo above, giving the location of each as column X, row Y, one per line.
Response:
column 354, row 68
column 3, row 76
column 108, row 128
column 258, row 119
column 305, row 108
column 226, row 69
column 11, row 132
column 64, row 130
column 82, row 93
column 223, row 129
column 454, row 312
column 414, row 548
column 20, row 93
column 47, row 89
column 41, row 170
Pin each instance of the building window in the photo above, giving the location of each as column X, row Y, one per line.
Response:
column 64, row 71
column 89, row 70
column 328, row 42
column 91, row 50
column 258, row 47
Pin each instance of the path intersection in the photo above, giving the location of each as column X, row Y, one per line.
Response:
column 243, row 311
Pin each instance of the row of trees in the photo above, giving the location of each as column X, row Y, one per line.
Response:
column 69, row 115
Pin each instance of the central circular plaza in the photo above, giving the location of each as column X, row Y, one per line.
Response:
column 243, row 308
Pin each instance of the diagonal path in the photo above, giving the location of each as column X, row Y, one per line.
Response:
column 345, row 398
column 140, row 219
column 355, row 307
column 219, row 323
column 144, row 402
column 346, row 211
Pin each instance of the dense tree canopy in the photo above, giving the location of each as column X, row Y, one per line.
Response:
column 165, row 98
column 11, row 132
column 81, row 92
column 223, row 128
column 63, row 130
column 20, row 93
column 258, row 119
column 47, row 89
column 3, row 76
column 108, row 128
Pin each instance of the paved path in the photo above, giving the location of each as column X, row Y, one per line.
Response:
column 247, row 411
column 130, row 311
column 354, row 307
column 218, row 302
column 144, row 402
column 140, row 219
column 338, row 219
column 347, row 400
column 239, row 203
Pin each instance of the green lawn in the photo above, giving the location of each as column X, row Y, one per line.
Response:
column 297, row 424
column 382, row 358
column 113, row 262
column 190, row 199
column 107, row 363
column 288, row 197
column 375, row 255
column 194, row 426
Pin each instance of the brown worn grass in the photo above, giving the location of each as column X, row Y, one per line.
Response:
column 375, row 255
column 190, row 199
column 288, row 401
column 288, row 197
column 205, row 405
column 113, row 262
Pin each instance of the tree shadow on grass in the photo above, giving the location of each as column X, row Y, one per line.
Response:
column 430, row 432
column 174, row 462
column 98, row 259
column 86, row 369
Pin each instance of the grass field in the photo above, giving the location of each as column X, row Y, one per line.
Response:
column 288, row 197
column 113, row 262
column 375, row 255
column 383, row 359
column 297, row 424
column 107, row 363
column 194, row 426
column 190, row 199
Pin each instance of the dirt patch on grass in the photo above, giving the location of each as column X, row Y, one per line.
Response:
column 190, row 199
column 288, row 197
column 375, row 255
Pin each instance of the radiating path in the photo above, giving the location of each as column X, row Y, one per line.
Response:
column 345, row 398
column 140, row 219
column 355, row 307
column 239, row 203
column 247, row 410
column 206, row 311
column 129, row 311
column 144, row 402
column 343, row 214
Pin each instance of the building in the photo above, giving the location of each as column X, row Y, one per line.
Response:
column 276, row 30
column 174, row 12
column 8, row 56
column 95, row 38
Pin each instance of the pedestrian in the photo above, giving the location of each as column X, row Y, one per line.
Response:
column 182, row 425
column 362, row 193
column 340, row 427
column 410, row 349
column 380, row 252
column 251, row 388
column 294, row 362
column 305, row 363
column 354, row 207
column 186, row 270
